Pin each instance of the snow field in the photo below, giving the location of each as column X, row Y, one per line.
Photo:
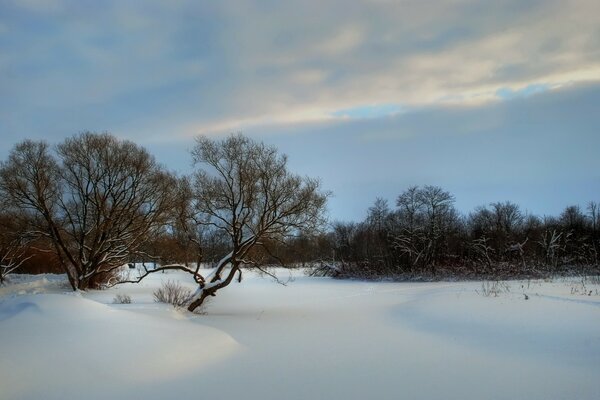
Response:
column 316, row 338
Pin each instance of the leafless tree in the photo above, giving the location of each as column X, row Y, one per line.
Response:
column 425, row 215
column 378, row 236
column 507, row 217
column 12, row 256
column 410, row 208
column 97, row 199
column 410, row 239
column 594, row 215
column 440, row 215
column 572, row 218
column 378, row 214
column 183, row 227
column 12, row 245
column 248, row 193
column 550, row 242
column 343, row 242
column 13, row 250
column 244, row 190
column 483, row 251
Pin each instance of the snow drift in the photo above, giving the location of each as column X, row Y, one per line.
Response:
column 60, row 346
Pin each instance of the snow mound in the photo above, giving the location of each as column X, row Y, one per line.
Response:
column 21, row 284
column 77, row 343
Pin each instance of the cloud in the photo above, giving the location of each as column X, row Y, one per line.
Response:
column 295, row 60
column 508, row 93
column 538, row 150
column 176, row 69
column 369, row 111
column 485, row 98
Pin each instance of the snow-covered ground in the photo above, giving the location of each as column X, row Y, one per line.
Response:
column 316, row 338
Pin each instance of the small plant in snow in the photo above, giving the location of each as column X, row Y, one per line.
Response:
column 583, row 287
column 493, row 289
column 173, row 293
column 122, row 299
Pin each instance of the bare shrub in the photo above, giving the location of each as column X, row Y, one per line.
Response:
column 173, row 293
column 493, row 289
column 323, row 269
column 122, row 299
column 585, row 286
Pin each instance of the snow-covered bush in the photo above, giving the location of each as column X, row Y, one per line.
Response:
column 122, row 299
column 173, row 293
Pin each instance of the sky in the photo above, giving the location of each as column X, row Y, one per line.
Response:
column 491, row 100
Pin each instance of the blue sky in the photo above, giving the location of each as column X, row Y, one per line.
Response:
column 493, row 101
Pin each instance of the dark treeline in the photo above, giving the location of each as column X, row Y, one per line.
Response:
column 94, row 202
column 424, row 236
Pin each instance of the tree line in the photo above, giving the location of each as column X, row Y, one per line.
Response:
column 93, row 203
column 424, row 236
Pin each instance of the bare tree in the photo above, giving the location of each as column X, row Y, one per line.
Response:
column 594, row 215
column 12, row 256
column 343, row 242
column 550, row 242
column 378, row 214
column 410, row 208
column 440, row 214
column 246, row 192
column 595, row 224
column 572, row 218
column 507, row 217
column 13, row 246
column 483, row 251
column 97, row 199
column 410, row 239
column 12, row 243
column 425, row 215
column 183, row 227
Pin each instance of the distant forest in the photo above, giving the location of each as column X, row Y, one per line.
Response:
column 94, row 202
column 425, row 237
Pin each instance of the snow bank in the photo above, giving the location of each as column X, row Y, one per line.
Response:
column 57, row 346
column 20, row 284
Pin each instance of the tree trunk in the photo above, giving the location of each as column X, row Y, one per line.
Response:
column 211, row 290
column 198, row 302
